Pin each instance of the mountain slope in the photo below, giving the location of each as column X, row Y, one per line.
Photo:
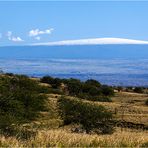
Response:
column 76, row 51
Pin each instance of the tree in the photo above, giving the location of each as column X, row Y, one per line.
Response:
column 74, row 86
column 20, row 101
column 107, row 91
column 54, row 82
column 93, row 83
column 90, row 116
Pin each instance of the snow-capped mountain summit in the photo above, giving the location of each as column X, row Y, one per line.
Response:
column 95, row 41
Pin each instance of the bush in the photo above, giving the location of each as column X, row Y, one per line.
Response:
column 107, row 91
column 94, row 98
column 9, row 74
column 90, row 89
column 94, row 91
column 138, row 89
column 74, row 86
column 129, row 89
column 54, row 82
column 119, row 88
column 44, row 89
column 47, row 79
column 20, row 101
column 90, row 116
column 93, row 83
column 102, row 99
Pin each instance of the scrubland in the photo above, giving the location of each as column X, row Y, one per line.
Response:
column 65, row 118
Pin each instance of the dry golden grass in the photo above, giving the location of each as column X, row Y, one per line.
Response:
column 63, row 138
column 129, row 106
column 129, row 97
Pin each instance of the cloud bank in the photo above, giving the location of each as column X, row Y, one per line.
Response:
column 95, row 41
column 16, row 39
column 12, row 38
column 36, row 33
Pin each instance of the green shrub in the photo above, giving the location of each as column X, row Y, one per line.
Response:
column 119, row 88
column 94, row 98
column 107, row 91
column 9, row 74
column 94, row 91
column 89, row 90
column 47, row 79
column 93, row 83
column 20, row 101
column 90, row 116
column 44, row 89
column 54, row 82
column 129, row 89
column 138, row 89
column 74, row 86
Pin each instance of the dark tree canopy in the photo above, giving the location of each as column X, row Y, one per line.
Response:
column 20, row 100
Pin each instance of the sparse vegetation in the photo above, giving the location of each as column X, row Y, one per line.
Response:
column 138, row 89
column 90, row 116
column 54, row 82
column 90, row 89
column 33, row 113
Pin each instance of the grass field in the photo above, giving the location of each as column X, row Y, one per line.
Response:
column 64, row 138
column 126, row 107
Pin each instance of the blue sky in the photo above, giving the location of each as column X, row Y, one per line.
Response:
column 34, row 22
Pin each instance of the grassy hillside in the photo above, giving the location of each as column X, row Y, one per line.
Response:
column 67, row 112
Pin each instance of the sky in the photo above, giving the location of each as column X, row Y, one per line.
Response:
column 24, row 22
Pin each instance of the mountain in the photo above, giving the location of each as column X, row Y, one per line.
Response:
column 95, row 41
column 76, row 51
column 99, row 48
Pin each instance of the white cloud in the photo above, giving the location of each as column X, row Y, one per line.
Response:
column 38, row 38
column 95, row 41
column 12, row 38
column 16, row 39
column 36, row 32
column 9, row 35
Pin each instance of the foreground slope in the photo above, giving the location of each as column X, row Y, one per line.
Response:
column 47, row 128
